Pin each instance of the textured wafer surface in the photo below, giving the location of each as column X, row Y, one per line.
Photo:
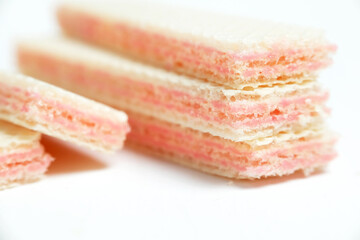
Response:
column 53, row 111
column 223, row 49
column 213, row 29
column 227, row 158
column 12, row 135
column 77, row 52
column 204, row 106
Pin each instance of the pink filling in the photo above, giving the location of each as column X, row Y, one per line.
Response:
column 287, row 166
column 22, row 155
column 25, row 170
column 24, row 164
column 278, row 53
column 161, row 136
column 163, row 130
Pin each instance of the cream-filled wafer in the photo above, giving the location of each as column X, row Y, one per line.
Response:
column 45, row 108
column 22, row 157
column 228, row 50
column 253, row 114
column 227, row 158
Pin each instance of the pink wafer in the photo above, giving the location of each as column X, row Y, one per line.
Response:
column 227, row 158
column 195, row 123
column 227, row 50
column 50, row 110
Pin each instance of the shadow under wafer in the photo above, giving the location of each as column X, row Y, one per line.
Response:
column 69, row 159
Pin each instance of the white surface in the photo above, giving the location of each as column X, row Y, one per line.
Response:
column 130, row 196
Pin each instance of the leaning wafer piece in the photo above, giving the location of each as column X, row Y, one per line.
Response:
column 251, row 114
column 50, row 110
column 227, row 50
column 22, row 157
column 226, row 158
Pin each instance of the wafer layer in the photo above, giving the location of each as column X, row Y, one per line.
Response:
column 251, row 114
column 50, row 110
column 227, row 158
column 22, row 157
column 223, row 49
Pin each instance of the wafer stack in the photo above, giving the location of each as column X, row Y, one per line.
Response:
column 226, row 95
column 37, row 107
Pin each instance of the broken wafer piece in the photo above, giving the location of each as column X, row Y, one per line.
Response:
column 22, row 157
column 251, row 114
column 228, row 50
column 42, row 107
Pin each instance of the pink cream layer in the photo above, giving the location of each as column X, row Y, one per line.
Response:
column 164, row 130
column 22, row 101
column 269, row 160
column 25, row 170
column 183, row 56
column 237, row 114
column 252, row 171
column 21, row 155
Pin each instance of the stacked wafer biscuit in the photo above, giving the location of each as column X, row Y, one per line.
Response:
column 37, row 107
column 226, row 95
column 22, row 157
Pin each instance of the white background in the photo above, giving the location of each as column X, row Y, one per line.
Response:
column 131, row 196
